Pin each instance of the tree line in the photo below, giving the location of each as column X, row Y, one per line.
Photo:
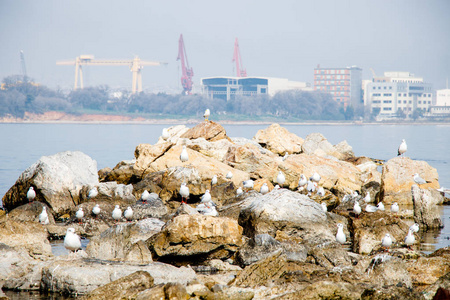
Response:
column 18, row 96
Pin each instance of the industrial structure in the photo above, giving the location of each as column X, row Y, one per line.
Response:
column 344, row 84
column 228, row 87
column 240, row 71
column 397, row 93
column 135, row 65
column 186, row 72
column 23, row 67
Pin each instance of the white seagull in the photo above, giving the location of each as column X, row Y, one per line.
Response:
column 402, row 148
column 370, row 208
column 419, row 180
column 184, row 192
column 264, row 189
column 367, row 198
column 302, row 181
column 96, row 210
column 93, row 193
column 165, row 134
column 321, row 191
column 117, row 213
column 340, row 235
column 324, row 206
column 239, row 191
column 356, row 209
column 277, row 187
column 184, row 156
column 395, row 208
column 248, row 184
column 145, row 196
column 72, row 241
column 43, row 217
column 315, row 177
column 214, row 180
column 410, row 239
column 229, row 175
column 386, row 242
column 380, row 206
column 128, row 213
column 281, row 178
column 31, row 194
column 79, row 214
column 311, row 186
column 414, row 227
column 207, row 114
column 206, row 197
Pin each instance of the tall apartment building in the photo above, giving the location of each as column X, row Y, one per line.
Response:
column 387, row 95
column 344, row 84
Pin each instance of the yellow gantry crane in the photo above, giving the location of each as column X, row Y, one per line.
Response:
column 136, row 65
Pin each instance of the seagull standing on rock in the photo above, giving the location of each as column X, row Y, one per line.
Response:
column 128, row 213
column 117, row 213
column 93, row 193
column 184, row 192
column 281, row 178
column 324, row 206
column 239, row 191
column 315, row 177
column 184, row 156
column 43, row 217
column 414, row 227
column 340, row 235
column 367, row 198
column 207, row 114
column 380, row 206
column 395, row 208
column 321, row 191
column 402, row 148
column 264, row 189
column 248, row 184
column 31, row 194
column 206, row 197
column 72, row 241
column 419, row 180
column 386, row 242
column 96, row 210
column 410, row 239
column 145, row 196
column 370, row 208
column 214, row 180
column 79, row 214
column 356, row 209
column 229, row 175
column 302, row 181
column 165, row 134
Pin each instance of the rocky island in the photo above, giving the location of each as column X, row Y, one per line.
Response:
column 275, row 244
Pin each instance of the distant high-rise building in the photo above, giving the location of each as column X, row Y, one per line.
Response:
column 344, row 84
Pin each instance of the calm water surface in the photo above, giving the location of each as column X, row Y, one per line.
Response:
column 23, row 144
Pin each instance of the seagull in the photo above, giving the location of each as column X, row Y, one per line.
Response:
column 43, row 217
column 355, row 195
column 207, row 114
column 346, row 198
column 324, row 206
column 184, row 156
column 206, row 197
column 184, row 192
column 410, row 239
column 96, row 210
column 311, row 187
column 280, row 178
column 321, row 192
column 443, row 190
column 302, row 181
column 395, row 208
column 229, row 175
column 214, row 180
column 315, row 177
column 402, row 148
column 370, row 208
column 357, row 209
column 367, row 198
column 414, row 227
column 145, row 196
column 340, row 235
column 79, row 214
column 380, row 206
column 239, row 191
column 93, row 193
column 264, row 189
column 285, row 156
column 117, row 213
column 419, row 180
column 248, row 184
column 386, row 242
column 128, row 213
column 72, row 241
column 207, row 209
column 165, row 134
column 31, row 194
column 277, row 187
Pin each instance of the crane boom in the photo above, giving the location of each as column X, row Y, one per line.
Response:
column 240, row 71
column 186, row 71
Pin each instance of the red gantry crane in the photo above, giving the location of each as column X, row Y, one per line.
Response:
column 187, row 72
column 240, row 71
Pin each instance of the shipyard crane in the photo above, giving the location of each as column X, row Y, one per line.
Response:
column 135, row 65
column 187, row 72
column 240, row 71
column 23, row 66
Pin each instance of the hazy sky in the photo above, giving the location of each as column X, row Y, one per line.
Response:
column 277, row 38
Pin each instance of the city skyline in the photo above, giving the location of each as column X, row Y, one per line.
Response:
column 285, row 40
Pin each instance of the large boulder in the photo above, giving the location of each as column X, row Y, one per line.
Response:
column 123, row 172
column 427, row 270
column 175, row 132
column 31, row 212
column 208, row 130
column 79, row 277
column 283, row 210
column 317, row 144
column 188, row 236
column 215, row 149
column 397, row 179
column 279, row 140
column 118, row 241
column 57, row 180
column 426, row 210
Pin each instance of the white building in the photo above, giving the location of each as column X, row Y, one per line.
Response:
column 397, row 93
column 226, row 87
column 442, row 107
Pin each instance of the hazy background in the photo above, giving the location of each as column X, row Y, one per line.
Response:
column 277, row 38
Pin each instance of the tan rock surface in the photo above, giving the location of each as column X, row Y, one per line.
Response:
column 427, row 270
column 279, row 140
column 208, row 130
